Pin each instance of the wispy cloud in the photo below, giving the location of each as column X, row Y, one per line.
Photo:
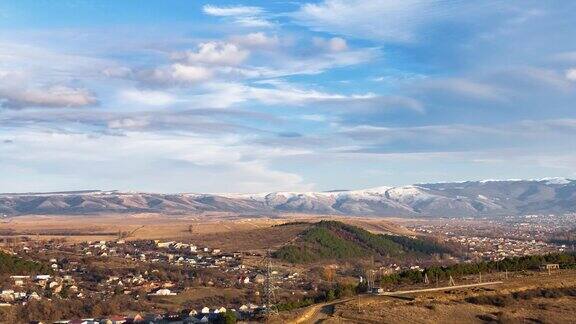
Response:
column 224, row 93
column 217, row 53
column 54, row 96
column 247, row 16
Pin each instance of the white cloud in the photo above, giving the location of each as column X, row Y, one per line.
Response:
column 48, row 64
column 144, row 161
column 314, row 118
column 232, row 11
column 190, row 73
column 177, row 74
column 229, row 61
column 128, row 123
column 571, row 74
column 151, row 98
column 284, row 65
column 54, row 96
column 284, row 93
column 215, row 53
column 540, row 77
column 228, row 94
column 256, row 40
column 243, row 15
column 253, row 22
column 400, row 21
column 391, row 20
column 334, row 44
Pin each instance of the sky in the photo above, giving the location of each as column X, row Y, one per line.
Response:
column 253, row 96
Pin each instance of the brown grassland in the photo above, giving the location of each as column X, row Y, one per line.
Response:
column 225, row 231
column 531, row 297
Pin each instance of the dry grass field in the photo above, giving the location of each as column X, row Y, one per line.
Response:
column 225, row 231
column 528, row 298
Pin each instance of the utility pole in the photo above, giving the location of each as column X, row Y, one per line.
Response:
column 426, row 281
column 451, row 281
column 370, row 280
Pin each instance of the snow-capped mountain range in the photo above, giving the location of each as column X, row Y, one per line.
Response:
column 471, row 198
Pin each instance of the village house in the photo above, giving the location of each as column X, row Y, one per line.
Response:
column 163, row 292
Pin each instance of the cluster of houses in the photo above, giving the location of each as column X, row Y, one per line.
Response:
column 72, row 275
column 498, row 238
column 25, row 288
column 204, row 315
column 495, row 249
column 171, row 252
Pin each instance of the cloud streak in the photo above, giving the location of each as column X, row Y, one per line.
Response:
column 274, row 95
column 247, row 16
column 54, row 96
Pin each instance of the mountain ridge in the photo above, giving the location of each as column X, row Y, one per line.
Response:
column 452, row 199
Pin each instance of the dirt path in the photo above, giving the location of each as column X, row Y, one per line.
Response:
column 319, row 312
column 404, row 292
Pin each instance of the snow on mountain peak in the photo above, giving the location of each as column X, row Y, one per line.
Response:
column 556, row 180
column 408, row 194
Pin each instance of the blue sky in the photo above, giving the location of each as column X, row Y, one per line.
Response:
column 250, row 96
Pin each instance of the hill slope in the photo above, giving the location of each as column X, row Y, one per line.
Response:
column 460, row 199
column 329, row 240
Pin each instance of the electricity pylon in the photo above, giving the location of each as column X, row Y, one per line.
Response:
column 269, row 294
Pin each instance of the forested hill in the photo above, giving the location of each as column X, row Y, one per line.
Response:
column 333, row 240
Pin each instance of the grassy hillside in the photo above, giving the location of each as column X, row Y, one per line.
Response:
column 327, row 240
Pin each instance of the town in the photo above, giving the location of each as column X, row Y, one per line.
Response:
column 143, row 270
column 131, row 279
column 497, row 238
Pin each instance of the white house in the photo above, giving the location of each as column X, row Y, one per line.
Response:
column 164, row 244
column 42, row 277
column 163, row 292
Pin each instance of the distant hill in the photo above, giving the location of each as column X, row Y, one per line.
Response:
column 332, row 240
column 457, row 199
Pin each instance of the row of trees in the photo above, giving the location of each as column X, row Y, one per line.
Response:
column 13, row 265
column 341, row 290
column 325, row 294
column 532, row 262
column 56, row 309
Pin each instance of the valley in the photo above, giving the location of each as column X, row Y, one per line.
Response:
column 153, row 264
